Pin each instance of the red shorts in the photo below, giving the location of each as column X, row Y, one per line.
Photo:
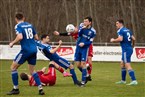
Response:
column 90, row 53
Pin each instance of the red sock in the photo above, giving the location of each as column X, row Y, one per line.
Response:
column 60, row 69
column 90, row 70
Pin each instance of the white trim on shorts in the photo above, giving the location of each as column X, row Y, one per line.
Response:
column 64, row 63
column 125, row 59
column 19, row 57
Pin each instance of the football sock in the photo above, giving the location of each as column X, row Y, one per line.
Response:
column 60, row 69
column 15, row 87
column 132, row 75
column 84, row 74
column 40, row 87
column 15, row 78
column 123, row 74
column 36, row 78
column 74, row 77
column 90, row 69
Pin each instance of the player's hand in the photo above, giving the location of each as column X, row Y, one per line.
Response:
column 56, row 33
column 11, row 44
column 112, row 40
column 76, row 30
column 60, row 42
column 84, row 27
column 81, row 44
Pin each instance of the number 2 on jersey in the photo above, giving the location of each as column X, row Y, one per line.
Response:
column 29, row 33
column 128, row 36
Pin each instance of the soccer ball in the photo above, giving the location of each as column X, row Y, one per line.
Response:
column 70, row 28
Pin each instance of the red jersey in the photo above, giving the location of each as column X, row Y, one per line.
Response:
column 74, row 35
column 46, row 79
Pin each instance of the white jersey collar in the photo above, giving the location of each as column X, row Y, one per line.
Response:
column 119, row 29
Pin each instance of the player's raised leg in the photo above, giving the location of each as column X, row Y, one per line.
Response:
column 60, row 69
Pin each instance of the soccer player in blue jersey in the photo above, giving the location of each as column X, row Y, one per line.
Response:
column 127, row 42
column 86, row 36
column 51, row 54
column 26, row 35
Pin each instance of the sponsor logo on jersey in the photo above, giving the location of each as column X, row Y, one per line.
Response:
column 89, row 33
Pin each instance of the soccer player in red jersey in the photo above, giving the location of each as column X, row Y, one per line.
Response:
column 48, row 78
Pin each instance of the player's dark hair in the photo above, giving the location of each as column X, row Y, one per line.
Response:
column 19, row 16
column 24, row 76
column 120, row 21
column 51, row 65
column 43, row 36
column 89, row 18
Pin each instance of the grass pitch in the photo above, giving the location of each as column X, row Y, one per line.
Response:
column 104, row 76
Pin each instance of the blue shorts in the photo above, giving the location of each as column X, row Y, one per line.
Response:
column 62, row 62
column 126, row 56
column 81, row 54
column 25, row 56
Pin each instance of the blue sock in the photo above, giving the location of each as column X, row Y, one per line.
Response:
column 84, row 74
column 123, row 74
column 80, row 68
column 15, row 77
column 36, row 78
column 74, row 77
column 132, row 75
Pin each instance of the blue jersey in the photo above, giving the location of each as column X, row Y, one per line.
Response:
column 45, row 49
column 86, row 36
column 126, row 43
column 27, row 43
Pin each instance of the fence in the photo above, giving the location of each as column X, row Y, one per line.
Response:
column 101, row 52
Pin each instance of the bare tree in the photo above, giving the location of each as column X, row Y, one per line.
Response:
column 50, row 15
column 77, row 11
column 132, row 16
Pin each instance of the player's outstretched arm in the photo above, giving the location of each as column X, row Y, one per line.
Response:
column 56, row 48
column 61, row 34
column 56, row 33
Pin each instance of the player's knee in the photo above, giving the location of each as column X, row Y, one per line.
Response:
column 122, row 66
column 128, row 66
column 13, row 67
column 90, row 61
column 83, row 63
